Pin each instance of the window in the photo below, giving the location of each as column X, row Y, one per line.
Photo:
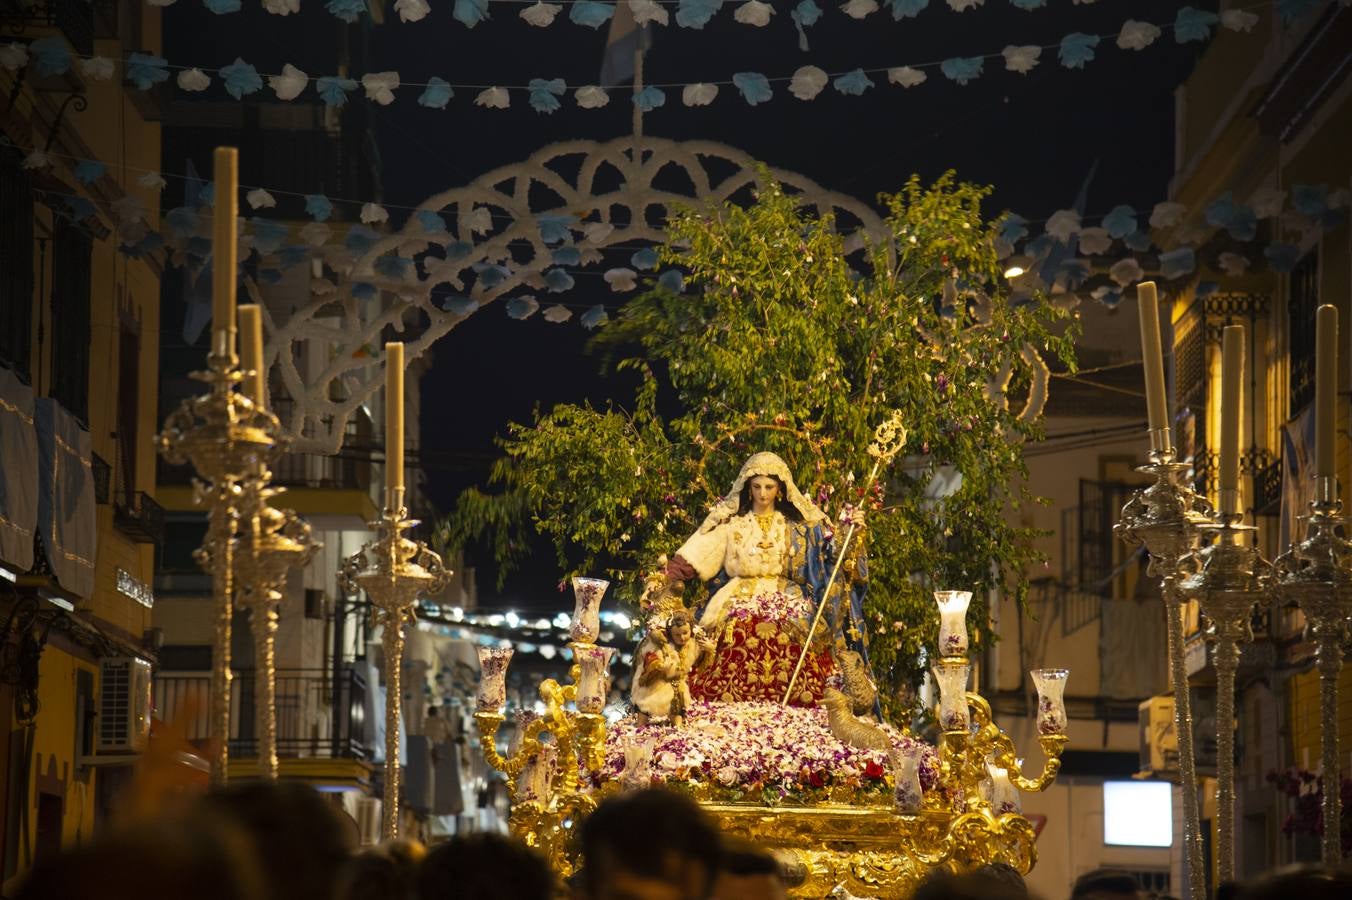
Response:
column 1301, row 302
column 70, row 317
column 16, row 264
column 1138, row 813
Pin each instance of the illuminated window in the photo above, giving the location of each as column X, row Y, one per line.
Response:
column 1138, row 813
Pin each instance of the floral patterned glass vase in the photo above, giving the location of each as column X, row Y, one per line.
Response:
column 953, row 621
column 594, row 663
column 908, row 794
column 493, row 662
column 952, row 681
column 1051, row 700
column 587, row 612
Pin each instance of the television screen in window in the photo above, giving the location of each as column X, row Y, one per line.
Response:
column 1138, row 813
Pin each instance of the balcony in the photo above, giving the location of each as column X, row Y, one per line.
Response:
column 139, row 517
column 1267, row 489
column 103, row 478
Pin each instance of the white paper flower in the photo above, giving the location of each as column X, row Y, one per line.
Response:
column 36, row 159
column 280, row 7
column 1239, row 19
column 152, row 180
column 1233, row 264
column 1022, row 58
column 493, row 98
column 289, row 84
column 479, row 220
column 380, row 86
column 754, row 12
column 1137, row 35
column 1126, row 271
column 316, row 234
column 1094, row 241
column 649, row 11
column 699, row 94
column 1267, row 202
column 412, row 10
column 906, row 76
column 1167, row 214
column 591, row 97
column 371, row 213
column 14, row 56
column 807, row 82
column 97, row 68
column 260, row 199
column 596, row 232
column 621, row 280
column 964, row 5
column 1063, row 223
column 129, row 209
column 193, row 80
column 858, row 9
column 557, row 313
column 541, row 14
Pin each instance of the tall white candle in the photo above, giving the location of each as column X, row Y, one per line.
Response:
column 394, row 416
column 1157, row 407
column 1232, row 373
column 225, row 172
column 1325, row 388
column 251, row 351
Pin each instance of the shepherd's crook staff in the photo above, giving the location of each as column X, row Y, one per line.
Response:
column 888, row 439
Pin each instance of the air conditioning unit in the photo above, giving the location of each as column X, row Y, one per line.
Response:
column 368, row 821
column 124, row 705
column 1159, row 740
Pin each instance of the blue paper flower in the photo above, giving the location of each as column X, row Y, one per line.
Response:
column 293, row 255
column 594, row 317
column 853, row 83
column 199, row 247
column 240, row 79
column 545, row 92
column 554, row 228
column 649, row 98
column 1177, row 263
column 206, row 194
column 754, row 86
column 437, row 93
column 644, row 259
column 430, row 222
column 566, row 256
column 268, row 234
column 806, row 13
column 906, row 9
column 591, row 13
column 364, row 290
column 1013, row 228
column 459, row 250
column 1075, row 271
column 347, row 10
column 146, row 71
column 1243, row 225
column 1040, row 246
column 1138, row 241
column 1193, row 24
column 1310, row 199
column 1282, row 257
column 1077, row 49
column 1220, row 210
column 333, row 89
column 470, row 12
column 181, row 221
column 558, row 280
column 1120, row 221
column 88, row 171
column 671, row 280
column 459, row 306
column 696, row 13
column 522, row 307
column 962, row 69
column 360, row 238
column 490, row 274
column 1028, row 4
column 318, row 207
column 1291, row 10
column 49, row 56
column 222, row 7
column 394, row 267
column 80, row 208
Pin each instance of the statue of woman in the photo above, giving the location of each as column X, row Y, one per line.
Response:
column 766, row 553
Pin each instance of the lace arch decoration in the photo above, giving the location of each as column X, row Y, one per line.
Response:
column 509, row 223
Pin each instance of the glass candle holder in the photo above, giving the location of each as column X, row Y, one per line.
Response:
column 908, row 793
column 537, row 775
column 1051, row 700
column 587, row 613
column 638, row 764
column 1004, row 796
column 952, row 681
column 953, row 621
column 594, row 663
column 493, row 662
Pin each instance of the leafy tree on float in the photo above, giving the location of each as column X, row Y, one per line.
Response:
column 778, row 344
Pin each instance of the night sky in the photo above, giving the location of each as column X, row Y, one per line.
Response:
column 1033, row 137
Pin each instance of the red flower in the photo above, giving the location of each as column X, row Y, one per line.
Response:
column 873, row 770
column 816, row 779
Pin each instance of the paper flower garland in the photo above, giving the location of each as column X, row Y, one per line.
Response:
column 1077, row 49
column 591, row 97
column 289, row 84
column 1022, row 59
column 754, row 86
column 1137, row 35
column 853, row 83
column 470, row 12
column 591, row 13
column 807, row 82
column 379, row 86
column 699, row 94
column 754, row 13
column 437, row 94
column 333, row 90
column 906, row 76
column 541, row 14
column 193, row 80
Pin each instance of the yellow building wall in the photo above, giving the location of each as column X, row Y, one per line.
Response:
column 1306, row 733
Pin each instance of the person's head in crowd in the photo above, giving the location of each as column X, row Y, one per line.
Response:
column 375, row 874
column 1005, row 875
column 650, row 845
column 483, row 866
column 1106, row 884
column 979, row 884
column 300, row 840
column 1305, row 882
column 748, row 873
column 170, row 858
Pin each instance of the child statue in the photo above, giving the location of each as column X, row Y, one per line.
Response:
column 664, row 661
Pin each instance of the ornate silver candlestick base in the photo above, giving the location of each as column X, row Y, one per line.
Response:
column 1233, row 578
column 1317, row 574
column 394, row 571
column 1165, row 517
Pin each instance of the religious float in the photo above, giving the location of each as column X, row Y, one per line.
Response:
column 758, row 703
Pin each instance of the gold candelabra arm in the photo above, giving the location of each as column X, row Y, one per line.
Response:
column 1052, row 747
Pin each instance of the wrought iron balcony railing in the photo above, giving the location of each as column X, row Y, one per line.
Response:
column 138, row 516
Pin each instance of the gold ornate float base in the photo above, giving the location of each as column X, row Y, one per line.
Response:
column 873, row 851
